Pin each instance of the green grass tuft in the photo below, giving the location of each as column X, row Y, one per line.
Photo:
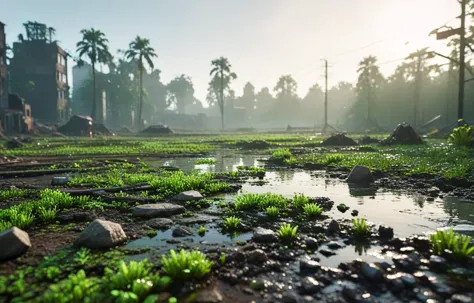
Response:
column 186, row 265
column 451, row 244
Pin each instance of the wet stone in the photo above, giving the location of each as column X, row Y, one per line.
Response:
column 190, row 195
column 101, row 234
column 159, row 223
column 425, row 294
column 158, row 210
column 13, row 242
column 333, row 226
column 181, row 232
column 209, row 296
column 257, row 256
column 407, row 249
column 457, row 298
column 311, row 243
column 236, row 256
column 326, row 253
column 360, row 175
column 350, row 290
column 334, row 245
column 437, row 263
column 354, row 213
column 264, row 235
column 308, row 265
column 371, row 271
column 385, row 232
column 310, row 285
column 408, row 280
column 289, row 297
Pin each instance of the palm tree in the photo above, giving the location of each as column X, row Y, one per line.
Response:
column 369, row 80
column 139, row 50
column 95, row 46
column 222, row 76
column 181, row 92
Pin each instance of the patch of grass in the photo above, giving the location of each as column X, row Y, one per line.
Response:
column 252, row 171
column 300, row 200
column 199, row 204
column 13, row 193
column 360, row 228
column 462, row 136
column 282, row 155
column 451, row 244
column 287, row 231
column 186, row 265
column 151, row 233
column 209, row 161
column 231, row 223
column 312, row 210
column 273, row 211
column 260, row 201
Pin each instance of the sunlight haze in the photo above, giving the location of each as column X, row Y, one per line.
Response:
column 263, row 39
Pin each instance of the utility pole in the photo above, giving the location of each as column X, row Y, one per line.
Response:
column 326, row 124
column 462, row 63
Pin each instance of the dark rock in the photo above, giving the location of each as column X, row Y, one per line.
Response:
column 67, row 217
column 438, row 263
column 354, row 213
column 368, row 140
column 343, row 208
column 13, row 144
column 333, row 226
column 351, row 291
column 101, row 234
column 334, row 245
column 408, row 280
column 289, row 297
column 13, row 242
column 407, row 249
column 264, row 235
column 310, row 285
column 326, row 252
column 403, row 134
column 190, row 195
column 308, row 265
column 159, row 223
column 360, row 175
column 311, row 243
column 430, row 199
column 257, row 256
column 371, row 271
column 208, row 296
column 181, row 232
column 339, row 140
column 157, row 210
column 385, row 232
column 236, row 256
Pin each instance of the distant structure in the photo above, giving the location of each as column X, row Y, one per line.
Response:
column 80, row 74
column 3, row 68
column 38, row 73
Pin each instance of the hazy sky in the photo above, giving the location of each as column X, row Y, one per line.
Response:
column 263, row 39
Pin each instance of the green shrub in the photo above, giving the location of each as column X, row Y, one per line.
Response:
column 462, row 136
column 312, row 210
column 260, row 201
column 300, row 200
column 77, row 288
column 459, row 245
column 360, row 227
column 208, row 161
column 186, row 265
column 287, row 232
column 231, row 223
column 272, row 211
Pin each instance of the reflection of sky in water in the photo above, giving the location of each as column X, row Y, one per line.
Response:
column 407, row 214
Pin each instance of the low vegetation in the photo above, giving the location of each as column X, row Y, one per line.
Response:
column 287, row 231
column 312, row 210
column 360, row 228
column 232, row 223
column 260, row 201
column 451, row 244
column 186, row 265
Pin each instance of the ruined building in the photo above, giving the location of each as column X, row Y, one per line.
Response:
column 38, row 73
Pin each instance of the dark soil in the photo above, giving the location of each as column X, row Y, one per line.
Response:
column 339, row 140
column 403, row 134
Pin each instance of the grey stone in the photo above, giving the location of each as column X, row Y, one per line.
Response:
column 60, row 180
column 326, row 252
column 209, row 296
column 437, row 262
column 408, row 280
column 189, row 195
column 360, row 174
column 310, row 285
column 385, row 232
column 264, row 235
column 157, row 210
column 371, row 272
column 181, row 232
column 289, row 297
column 350, row 290
column 334, row 245
column 333, row 226
column 308, row 265
column 101, row 234
column 13, row 242
column 257, row 256
column 311, row 243
column 159, row 223
column 198, row 219
column 457, row 298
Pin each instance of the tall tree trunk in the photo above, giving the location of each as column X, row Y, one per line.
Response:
column 94, row 104
column 222, row 100
column 417, row 93
column 140, row 124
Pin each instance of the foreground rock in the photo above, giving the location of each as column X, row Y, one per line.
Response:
column 264, row 235
column 101, row 234
column 158, row 210
column 339, row 140
column 13, row 242
column 189, row 195
column 404, row 134
column 360, row 175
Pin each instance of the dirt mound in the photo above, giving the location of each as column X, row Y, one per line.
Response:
column 157, row 130
column 13, row 143
column 100, row 129
column 254, row 144
column 403, row 134
column 77, row 126
column 368, row 140
column 339, row 140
